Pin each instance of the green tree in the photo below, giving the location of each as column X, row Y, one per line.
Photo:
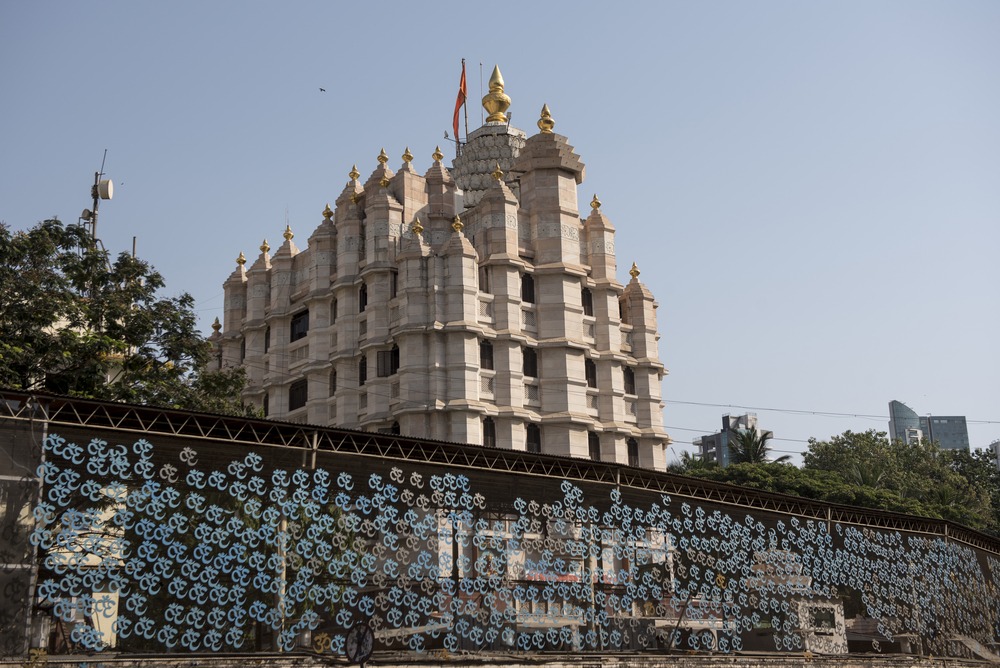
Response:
column 917, row 478
column 749, row 446
column 77, row 323
column 691, row 464
column 865, row 459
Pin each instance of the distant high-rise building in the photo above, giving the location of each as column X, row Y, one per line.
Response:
column 950, row 432
column 715, row 447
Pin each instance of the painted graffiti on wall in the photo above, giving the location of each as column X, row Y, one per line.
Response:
column 164, row 548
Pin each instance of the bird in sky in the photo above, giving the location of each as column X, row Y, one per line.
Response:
column 322, row 90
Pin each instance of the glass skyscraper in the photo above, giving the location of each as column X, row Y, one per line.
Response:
column 949, row 431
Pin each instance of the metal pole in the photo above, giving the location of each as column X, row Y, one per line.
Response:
column 465, row 102
column 33, row 554
column 97, row 199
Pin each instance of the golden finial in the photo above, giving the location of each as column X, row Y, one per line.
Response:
column 407, row 156
column 595, row 203
column 437, row 155
column 384, row 182
column 417, row 227
column 496, row 101
column 382, row 157
column 354, row 198
column 634, row 271
column 328, row 212
column 497, row 173
column 545, row 123
column 264, row 247
column 242, row 259
column 288, row 234
column 354, row 173
column 216, row 325
column 457, row 224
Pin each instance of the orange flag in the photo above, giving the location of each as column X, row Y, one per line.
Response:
column 462, row 94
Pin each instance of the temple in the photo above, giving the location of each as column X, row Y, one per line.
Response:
column 472, row 304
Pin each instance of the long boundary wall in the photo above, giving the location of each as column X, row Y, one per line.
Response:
column 137, row 529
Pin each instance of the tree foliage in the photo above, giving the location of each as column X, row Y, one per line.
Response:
column 868, row 470
column 949, row 484
column 749, row 446
column 75, row 322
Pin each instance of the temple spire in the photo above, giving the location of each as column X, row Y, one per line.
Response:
column 545, row 122
column 496, row 101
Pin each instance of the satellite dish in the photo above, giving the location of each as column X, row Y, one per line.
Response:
column 105, row 189
column 87, row 214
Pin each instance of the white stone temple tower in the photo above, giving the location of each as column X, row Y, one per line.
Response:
column 473, row 304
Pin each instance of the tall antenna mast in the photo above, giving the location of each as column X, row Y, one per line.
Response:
column 102, row 189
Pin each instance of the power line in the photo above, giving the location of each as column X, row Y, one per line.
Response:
column 794, row 411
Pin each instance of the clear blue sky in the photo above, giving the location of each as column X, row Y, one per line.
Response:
column 811, row 189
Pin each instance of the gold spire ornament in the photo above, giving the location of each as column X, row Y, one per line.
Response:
column 407, row 156
column 417, row 227
column 545, row 123
column 457, row 224
column 634, row 272
column 242, row 259
column 595, row 203
column 382, row 157
column 384, row 182
column 216, row 326
column 437, row 155
column 264, row 247
column 327, row 212
column 496, row 101
column 288, row 234
column 354, row 173
column 497, row 173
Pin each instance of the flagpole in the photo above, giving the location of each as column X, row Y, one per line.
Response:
column 460, row 101
column 465, row 106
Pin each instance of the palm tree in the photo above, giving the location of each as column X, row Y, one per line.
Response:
column 750, row 446
column 691, row 464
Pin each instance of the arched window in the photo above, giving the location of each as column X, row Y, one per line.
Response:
column 333, row 383
column 388, row 362
column 362, row 370
column 333, row 311
column 299, row 326
column 590, row 368
column 587, row 297
column 594, row 444
column 629, row 374
column 265, row 405
column 267, row 338
column 362, row 298
column 484, row 279
column 529, row 364
column 243, row 349
column 533, row 438
column 633, row 452
column 394, row 429
column 486, row 354
column 298, row 394
column 489, row 432
column 528, row 288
